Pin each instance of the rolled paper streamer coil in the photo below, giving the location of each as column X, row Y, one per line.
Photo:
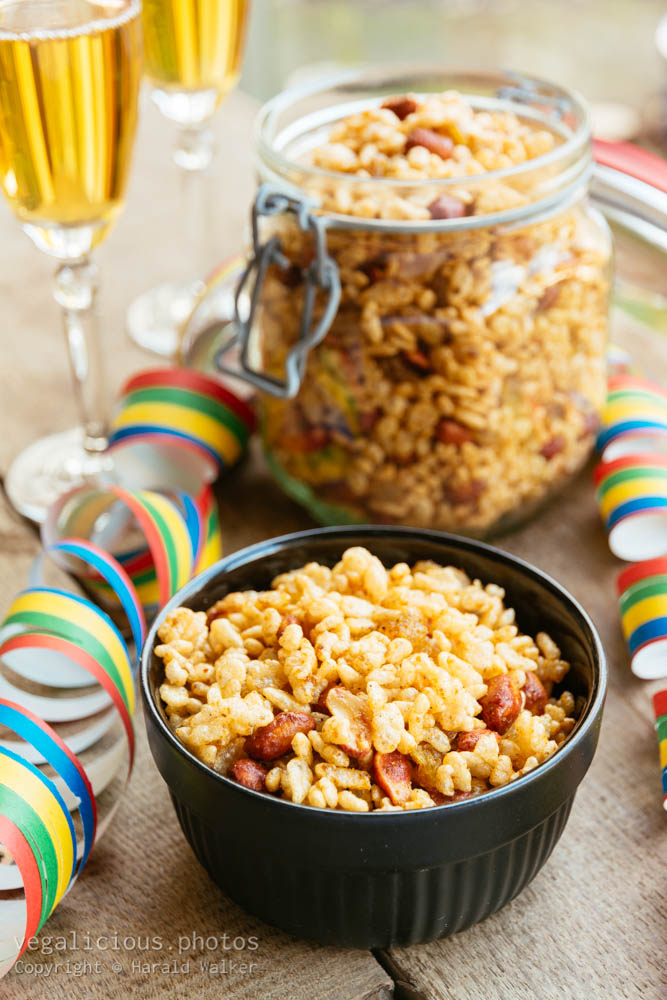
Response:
column 187, row 413
column 172, row 428
column 52, row 628
column 660, row 709
column 172, row 531
column 40, row 735
column 200, row 516
column 632, row 497
column 175, row 430
column 642, row 590
column 634, row 418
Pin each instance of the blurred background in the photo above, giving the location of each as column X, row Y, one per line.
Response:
column 607, row 49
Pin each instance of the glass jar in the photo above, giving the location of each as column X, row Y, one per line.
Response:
column 429, row 350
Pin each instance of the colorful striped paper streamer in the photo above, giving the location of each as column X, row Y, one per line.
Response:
column 634, row 418
column 173, row 433
column 632, row 496
column 35, row 823
column 172, row 528
column 642, row 591
column 198, row 520
column 660, row 710
column 36, row 827
column 185, row 411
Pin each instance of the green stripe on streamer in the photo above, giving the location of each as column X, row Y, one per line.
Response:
column 624, row 475
column 652, row 586
column 661, row 728
column 33, row 829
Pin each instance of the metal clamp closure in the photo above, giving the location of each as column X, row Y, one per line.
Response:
column 320, row 275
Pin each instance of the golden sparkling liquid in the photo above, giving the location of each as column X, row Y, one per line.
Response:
column 69, row 78
column 194, row 45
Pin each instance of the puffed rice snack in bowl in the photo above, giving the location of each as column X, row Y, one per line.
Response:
column 372, row 736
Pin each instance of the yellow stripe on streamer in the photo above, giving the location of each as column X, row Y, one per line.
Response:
column 211, row 551
column 188, row 421
column 643, row 611
column 645, row 486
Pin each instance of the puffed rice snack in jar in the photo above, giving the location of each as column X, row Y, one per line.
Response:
column 430, row 292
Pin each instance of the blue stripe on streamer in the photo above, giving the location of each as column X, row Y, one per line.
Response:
column 193, row 520
column 648, row 632
column 60, row 762
column 635, row 507
column 136, row 430
column 615, row 430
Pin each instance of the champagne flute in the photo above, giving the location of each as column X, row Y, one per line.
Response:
column 69, row 82
column 192, row 54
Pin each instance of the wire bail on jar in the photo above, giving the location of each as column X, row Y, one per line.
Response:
column 321, row 274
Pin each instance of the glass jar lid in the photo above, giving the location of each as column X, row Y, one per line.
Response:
column 291, row 125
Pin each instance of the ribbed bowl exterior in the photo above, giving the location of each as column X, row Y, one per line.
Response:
column 392, row 878
column 380, row 909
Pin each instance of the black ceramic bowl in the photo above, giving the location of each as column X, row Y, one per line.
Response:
column 383, row 879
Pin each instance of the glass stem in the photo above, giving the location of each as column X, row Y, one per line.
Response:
column 75, row 289
column 194, row 153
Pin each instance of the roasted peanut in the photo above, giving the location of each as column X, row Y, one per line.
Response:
column 442, row 800
column 418, row 360
column 549, row 296
column 393, row 773
column 275, row 739
column 447, row 207
column 401, row 106
column 250, row 774
column 501, row 704
column 441, row 145
column 469, row 740
column 321, row 704
column 554, row 446
column 452, row 432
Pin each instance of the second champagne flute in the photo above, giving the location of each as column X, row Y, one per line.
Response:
column 192, row 57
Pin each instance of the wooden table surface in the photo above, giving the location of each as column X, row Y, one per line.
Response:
column 592, row 923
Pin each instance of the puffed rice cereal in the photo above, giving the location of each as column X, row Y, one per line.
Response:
column 363, row 688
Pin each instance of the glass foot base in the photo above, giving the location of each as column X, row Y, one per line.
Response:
column 50, row 467
column 154, row 321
